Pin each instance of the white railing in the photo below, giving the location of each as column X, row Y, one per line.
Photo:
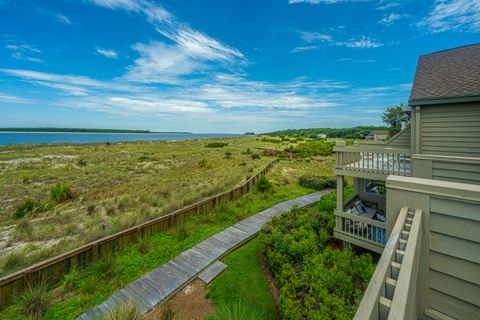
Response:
column 389, row 294
column 372, row 159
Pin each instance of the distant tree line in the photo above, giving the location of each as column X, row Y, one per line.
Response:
column 358, row 132
column 73, row 130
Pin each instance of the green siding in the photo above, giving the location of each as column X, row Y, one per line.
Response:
column 450, row 130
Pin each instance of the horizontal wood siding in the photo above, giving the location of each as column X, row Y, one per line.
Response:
column 456, row 172
column 454, row 281
column 452, row 130
column 401, row 140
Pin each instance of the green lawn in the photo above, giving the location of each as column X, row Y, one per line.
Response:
column 243, row 282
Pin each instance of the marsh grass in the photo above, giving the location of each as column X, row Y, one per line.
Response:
column 98, row 281
column 36, row 300
column 236, row 311
column 128, row 311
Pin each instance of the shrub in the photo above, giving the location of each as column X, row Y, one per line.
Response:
column 318, row 182
column 228, row 155
column 236, row 311
column 11, row 262
column 23, row 228
column 35, row 301
column 248, row 151
column 61, row 193
column 128, row 311
column 263, row 184
column 70, row 281
column 255, row 156
column 216, row 145
column 203, row 163
column 243, row 164
column 28, row 205
column 82, row 162
column 315, row 280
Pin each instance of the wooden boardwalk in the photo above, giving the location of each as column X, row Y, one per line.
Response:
column 161, row 283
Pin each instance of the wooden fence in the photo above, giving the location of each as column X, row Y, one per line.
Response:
column 55, row 268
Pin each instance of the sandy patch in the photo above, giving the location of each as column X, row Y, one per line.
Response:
column 188, row 304
column 60, row 157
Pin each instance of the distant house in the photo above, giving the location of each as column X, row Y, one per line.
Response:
column 322, row 136
column 377, row 135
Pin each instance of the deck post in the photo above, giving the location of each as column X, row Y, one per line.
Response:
column 340, row 196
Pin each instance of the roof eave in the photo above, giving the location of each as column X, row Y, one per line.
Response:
column 443, row 100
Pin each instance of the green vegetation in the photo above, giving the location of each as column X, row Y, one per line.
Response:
column 316, row 280
column 241, row 291
column 237, row 311
column 28, row 205
column 312, row 148
column 74, row 194
column 255, row 156
column 95, row 283
column 394, row 116
column 318, row 182
column 128, row 311
column 216, row 145
column 61, row 193
column 35, row 301
column 263, row 184
column 358, row 132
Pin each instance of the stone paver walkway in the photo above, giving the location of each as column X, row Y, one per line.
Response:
column 161, row 283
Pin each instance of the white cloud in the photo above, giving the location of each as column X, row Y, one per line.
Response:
column 23, row 52
column 57, row 16
column 314, row 36
column 453, row 15
column 304, row 48
column 14, row 99
column 111, row 54
column 161, row 63
column 362, row 43
column 64, row 19
column 388, row 5
column 390, row 18
column 191, row 52
column 65, row 82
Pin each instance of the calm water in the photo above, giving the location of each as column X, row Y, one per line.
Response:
column 62, row 137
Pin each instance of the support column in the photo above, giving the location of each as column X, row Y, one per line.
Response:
column 340, row 196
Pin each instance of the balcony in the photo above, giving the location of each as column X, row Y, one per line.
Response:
column 359, row 227
column 374, row 162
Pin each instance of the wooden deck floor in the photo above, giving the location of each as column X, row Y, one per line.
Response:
column 161, row 283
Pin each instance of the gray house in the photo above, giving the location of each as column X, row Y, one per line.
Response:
column 416, row 198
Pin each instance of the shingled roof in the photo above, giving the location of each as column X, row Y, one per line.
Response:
column 453, row 73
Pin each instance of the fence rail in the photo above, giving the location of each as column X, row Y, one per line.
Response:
column 53, row 269
column 372, row 159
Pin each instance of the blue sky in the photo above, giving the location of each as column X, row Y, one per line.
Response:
column 218, row 65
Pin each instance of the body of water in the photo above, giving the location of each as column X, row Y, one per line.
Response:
column 69, row 137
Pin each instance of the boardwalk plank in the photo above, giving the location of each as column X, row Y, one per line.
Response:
column 202, row 260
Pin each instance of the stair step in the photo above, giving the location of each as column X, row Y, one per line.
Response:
column 405, row 235
column 407, row 227
column 402, row 244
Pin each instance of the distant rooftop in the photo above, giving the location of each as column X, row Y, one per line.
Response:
column 453, row 73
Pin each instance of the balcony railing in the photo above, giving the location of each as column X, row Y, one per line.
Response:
column 391, row 291
column 360, row 230
column 370, row 159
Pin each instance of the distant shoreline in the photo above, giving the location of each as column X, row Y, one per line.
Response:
column 81, row 130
